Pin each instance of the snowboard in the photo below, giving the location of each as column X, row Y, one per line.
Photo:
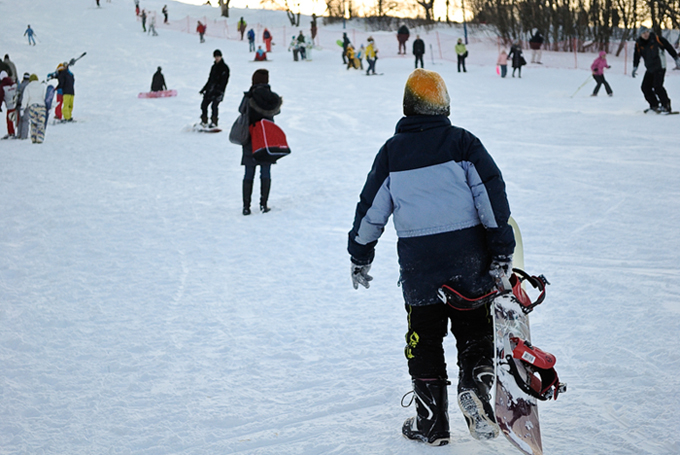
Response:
column 648, row 110
column 515, row 407
column 204, row 129
column 159, row 94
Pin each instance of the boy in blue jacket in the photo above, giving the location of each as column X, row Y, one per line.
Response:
column 447, row 197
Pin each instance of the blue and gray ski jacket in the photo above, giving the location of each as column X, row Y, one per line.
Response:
column 449, row 204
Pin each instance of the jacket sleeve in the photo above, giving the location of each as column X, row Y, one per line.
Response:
column 372, row 212
column 488, row 190
column 636, row 55
column 668, row 46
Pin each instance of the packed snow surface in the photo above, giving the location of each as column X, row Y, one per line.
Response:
column 141, row 313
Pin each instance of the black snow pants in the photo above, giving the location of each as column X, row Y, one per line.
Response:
column 653, row 89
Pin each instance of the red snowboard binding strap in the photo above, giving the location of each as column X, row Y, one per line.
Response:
column 542, row 382
column 538, row 282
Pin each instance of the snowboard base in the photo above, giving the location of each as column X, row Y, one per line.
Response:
column 648, row 110
column 196, row 127
column 158, row 94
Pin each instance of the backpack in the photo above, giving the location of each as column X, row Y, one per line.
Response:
column 269, row 141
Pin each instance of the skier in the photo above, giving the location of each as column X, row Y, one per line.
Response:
column 371, row 56
column 258, row 103
column 33, row 104
column 22, row 115
column 242, row 27
column 517, row 58
column 267, row 38
column 402, row 37
column 451, row 215
column 651, row 48
column 158, row 81
column 200, row 28
column 419, row 51
column 251, row 40
column 462, row 53
column 535, row 43
column 8, row 91
column 598, row 66
column 503, row 62
column 31, row 34
column 165, row 14
column 66, row 85
column 213, row 90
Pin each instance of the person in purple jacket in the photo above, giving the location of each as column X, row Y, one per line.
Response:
column 598, row 66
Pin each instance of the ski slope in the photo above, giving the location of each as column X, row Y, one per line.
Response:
column 141, row 313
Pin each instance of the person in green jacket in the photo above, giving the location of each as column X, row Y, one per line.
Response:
column 462, row 53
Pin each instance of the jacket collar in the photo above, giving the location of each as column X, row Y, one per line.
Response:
column 413, row 123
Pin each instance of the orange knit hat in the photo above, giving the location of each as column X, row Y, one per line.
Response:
column 425, row 94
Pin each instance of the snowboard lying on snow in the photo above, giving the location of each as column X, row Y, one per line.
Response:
column 159, row 94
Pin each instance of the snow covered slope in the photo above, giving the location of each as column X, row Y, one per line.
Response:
column 140, row 312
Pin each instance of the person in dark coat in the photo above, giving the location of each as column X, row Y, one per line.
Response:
column 651, row 47
column 535, row 44
column 158, row 81
column 345, row 45
column 419, row 51
column 213, row 90
column 517, row 58
column 449, row 207
column 258, row 103
column 67, row 86
column 402, row 37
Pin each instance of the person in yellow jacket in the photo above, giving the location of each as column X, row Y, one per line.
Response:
column 462, row 53
column 352, row 60
column 371, row 56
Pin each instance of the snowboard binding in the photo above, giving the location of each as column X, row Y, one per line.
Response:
column 542, row 381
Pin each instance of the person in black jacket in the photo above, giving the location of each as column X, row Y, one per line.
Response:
column 447, row 197
column 258, row 103
column 651, row 48
column 158, row 81
column 67, row 86
column 402, row 37
column 419, row 51
column 213, row 90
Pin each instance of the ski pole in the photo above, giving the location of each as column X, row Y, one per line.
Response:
column 584, row 83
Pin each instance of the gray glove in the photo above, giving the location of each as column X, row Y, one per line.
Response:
column 634, row 71
column 500, row 270
column 360, row 275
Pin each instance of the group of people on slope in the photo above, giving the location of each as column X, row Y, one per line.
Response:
column 28, row 100
column 301, row 47
column 353, row 58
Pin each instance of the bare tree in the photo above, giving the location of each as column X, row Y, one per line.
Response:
column 428, row 6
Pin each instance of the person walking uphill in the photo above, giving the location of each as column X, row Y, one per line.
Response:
column 158, row 81
column 213, row 90
column 258, row 103
column 447, row 197
column 517, row 58
column 419, row 51
column 33, row 104
column 598, row 66
column 67, row 86
column 462, row 53
column 651, row 48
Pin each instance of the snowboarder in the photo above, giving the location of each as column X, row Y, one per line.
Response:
column 371, row 56
column 258, row 103
column 242, row 27
column 8, row 91
column 402, row 37
column 345, row 45
column 33, row 104
column 200, row 28
column 517, row 58
column 451, row 214
column 213, row 90
column 31, row 35
column 598, row 66
column 502, row 62
column 535, row 43
column 267, row 38
column 260, row 54
column 419, row 51
column 165, row 14
column 251, row 40
column 651, row 48
column 461, row 53
column 158, row 81
column 66, row 85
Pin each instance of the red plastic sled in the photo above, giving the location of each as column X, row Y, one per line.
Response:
column 269, row 141
column 159, row 94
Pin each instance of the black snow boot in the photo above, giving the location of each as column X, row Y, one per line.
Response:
column 265, row 186
column 474, row 398
column 247, row 193
column 431, row 423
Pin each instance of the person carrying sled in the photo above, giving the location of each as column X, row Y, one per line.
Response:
column 517, row 58
column 598, row 66
column 241, row 27
column 213, row 90
column 419, row 51
column 450, row 210
column 650, row 47
column 461, row 53
column 158, row 81
column 33, row 104
column 258, row 103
